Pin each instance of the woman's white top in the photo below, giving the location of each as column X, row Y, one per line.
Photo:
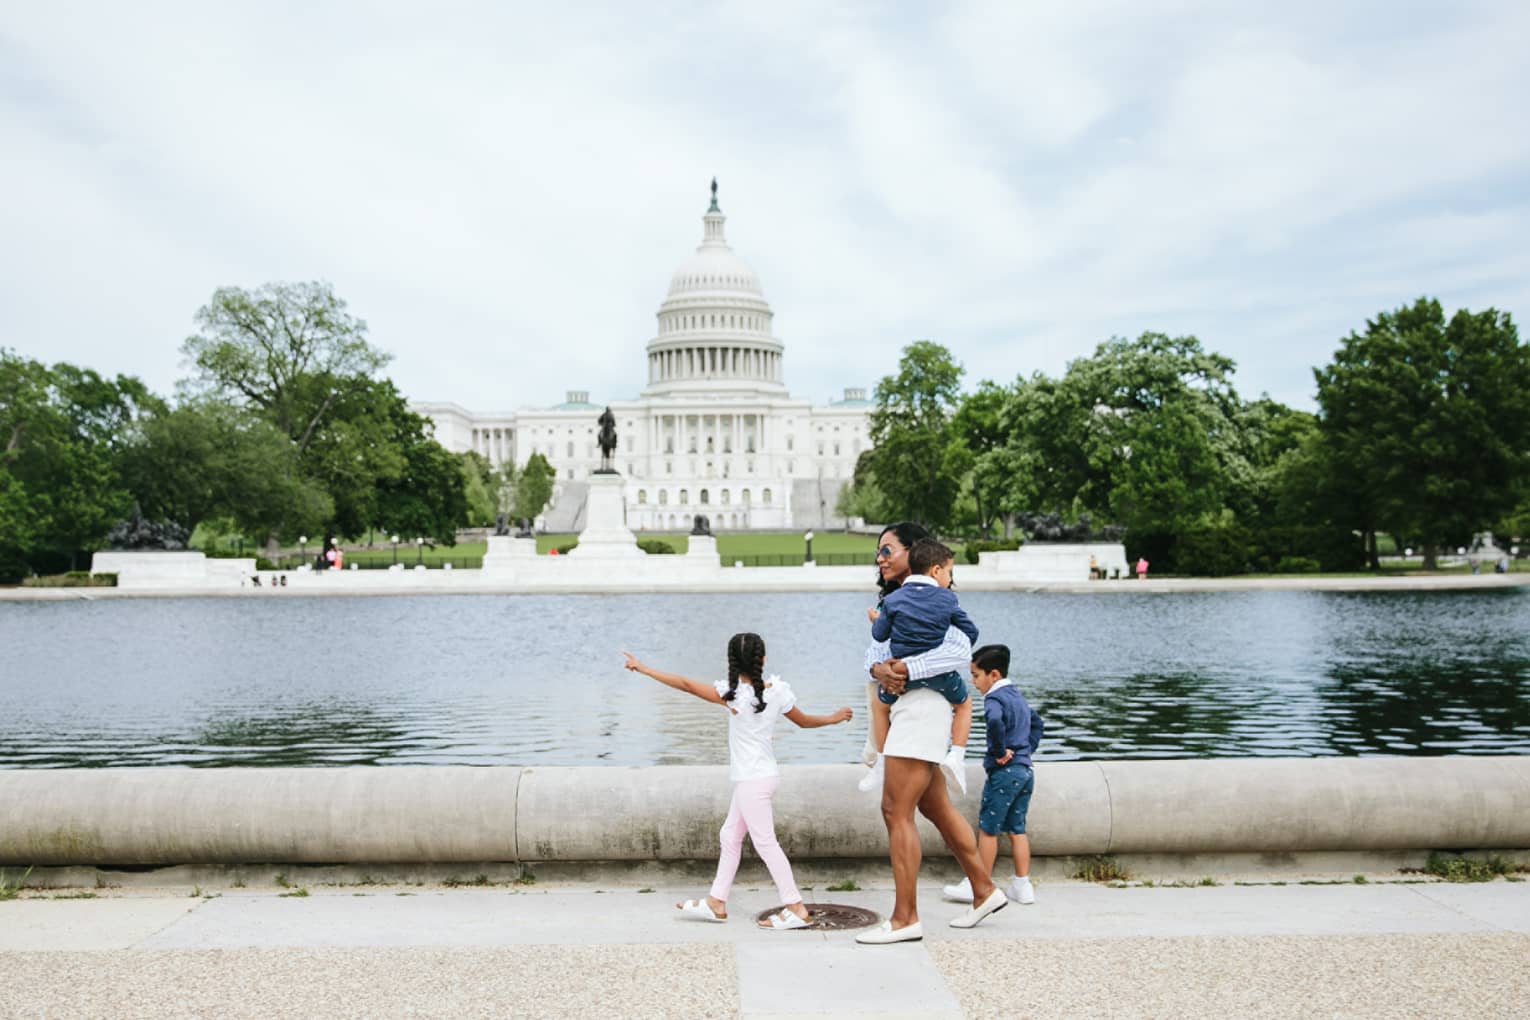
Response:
column 751, row 750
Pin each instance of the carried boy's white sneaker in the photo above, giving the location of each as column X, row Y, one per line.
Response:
column 873, row 779
column 955, row 766
column 1020, row 890
column 961, row 892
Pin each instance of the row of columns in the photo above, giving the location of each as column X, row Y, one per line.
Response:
column 686, row 426
column 495, row 444
column 701, row 362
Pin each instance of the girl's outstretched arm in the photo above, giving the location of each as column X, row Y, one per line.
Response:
column 809, row 722
column 706, row 692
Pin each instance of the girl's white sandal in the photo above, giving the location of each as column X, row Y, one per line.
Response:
column 700, row 910
column 784, row 920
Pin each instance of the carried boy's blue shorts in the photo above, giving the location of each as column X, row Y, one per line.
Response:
column 951, row 686
column 1006, row 799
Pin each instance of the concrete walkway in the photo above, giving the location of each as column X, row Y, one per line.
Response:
column 1373, row 950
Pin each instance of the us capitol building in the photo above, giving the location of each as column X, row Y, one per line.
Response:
column 715, row 430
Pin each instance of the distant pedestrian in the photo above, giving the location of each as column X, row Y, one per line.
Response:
column 1142, row 565
column 753, row 769
column 1094, row 567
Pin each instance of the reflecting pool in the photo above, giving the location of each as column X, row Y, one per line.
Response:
column 531, row 680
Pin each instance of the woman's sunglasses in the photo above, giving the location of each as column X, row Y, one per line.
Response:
column 885, row 552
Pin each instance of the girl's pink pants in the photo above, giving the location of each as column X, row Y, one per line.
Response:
column 751, row 812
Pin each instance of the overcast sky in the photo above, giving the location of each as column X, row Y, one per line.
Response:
column 503, row 190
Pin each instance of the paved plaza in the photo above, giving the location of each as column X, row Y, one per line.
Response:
column 1381, row 949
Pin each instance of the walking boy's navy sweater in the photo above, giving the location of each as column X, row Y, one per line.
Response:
column 916, row 616
column 1009, row 725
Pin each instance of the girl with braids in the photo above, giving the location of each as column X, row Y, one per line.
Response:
column 754, row 701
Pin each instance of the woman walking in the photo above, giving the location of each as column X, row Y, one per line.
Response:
column 917, row 738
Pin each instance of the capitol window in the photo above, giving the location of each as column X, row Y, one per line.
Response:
column 704, row 500
column 663, row 497
column 642, row 496
column 722, row 497
column 685, row 497
column 790, row 442
column 743, row 497
column 765, row 497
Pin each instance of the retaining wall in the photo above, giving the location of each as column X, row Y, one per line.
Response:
column 420, row 814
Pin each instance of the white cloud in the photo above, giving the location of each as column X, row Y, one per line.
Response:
column 502, row 191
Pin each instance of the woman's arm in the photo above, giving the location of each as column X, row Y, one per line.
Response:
column 809, row 722
column 704, row 691
column 953, row 656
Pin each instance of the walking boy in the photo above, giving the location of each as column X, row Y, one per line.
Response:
column 1013, row 733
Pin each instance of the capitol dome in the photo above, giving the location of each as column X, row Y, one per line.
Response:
column 715, row 325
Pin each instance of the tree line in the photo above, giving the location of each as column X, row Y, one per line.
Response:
column 1422, row 433
column 284, row 427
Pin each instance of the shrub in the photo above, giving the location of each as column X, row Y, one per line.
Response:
column 71, row 579
column 261, row 563
column 1297, row 565
column 656, row 547
column 1100, row 868
column 563, row 550
column 973, row 548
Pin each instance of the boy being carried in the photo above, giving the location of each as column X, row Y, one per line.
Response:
column 914, row 619
column 1014, row 731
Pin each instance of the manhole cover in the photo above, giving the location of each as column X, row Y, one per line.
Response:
column 832, row 917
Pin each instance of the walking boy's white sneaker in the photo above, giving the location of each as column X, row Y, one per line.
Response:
column 1020, row 891
column 961, row 892
column 873, row 779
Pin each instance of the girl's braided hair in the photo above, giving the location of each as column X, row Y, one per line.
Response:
column 746, row 658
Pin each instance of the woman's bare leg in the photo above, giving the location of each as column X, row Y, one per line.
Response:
column 903, row 787
column 936, row 805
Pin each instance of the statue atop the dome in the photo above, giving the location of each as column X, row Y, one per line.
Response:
column 607, row 439
column 713, row 207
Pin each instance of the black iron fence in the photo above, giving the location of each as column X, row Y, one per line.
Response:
column 796, row 559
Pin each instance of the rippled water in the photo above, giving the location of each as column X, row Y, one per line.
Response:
column 538, row 680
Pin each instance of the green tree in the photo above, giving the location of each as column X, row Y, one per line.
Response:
column 531, row 487
column 209, row 460
column 1428, row 421
column 285, row 348
column 917, row 459
column 480, row 484
column 61, row 429
column 978, row 421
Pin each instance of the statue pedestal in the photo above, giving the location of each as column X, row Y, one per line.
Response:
column 505, row 551
column 605, row 534
column 702, row 548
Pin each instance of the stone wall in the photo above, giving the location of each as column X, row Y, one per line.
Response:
column 422, row 814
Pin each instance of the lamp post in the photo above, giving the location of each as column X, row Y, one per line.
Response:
column 419, row 544
column 395, row 550
column 807, row 537
column 302, row 549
